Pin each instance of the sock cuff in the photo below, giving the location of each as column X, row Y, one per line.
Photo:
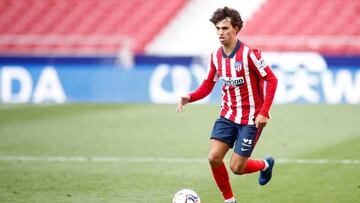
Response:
column 266, row 165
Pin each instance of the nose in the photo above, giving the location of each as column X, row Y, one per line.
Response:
column 221, row 32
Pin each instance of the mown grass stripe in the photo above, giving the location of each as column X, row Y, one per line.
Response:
column 159, row 159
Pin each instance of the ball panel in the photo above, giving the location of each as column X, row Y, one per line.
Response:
column 186, row 196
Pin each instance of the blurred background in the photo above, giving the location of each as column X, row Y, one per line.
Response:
column 153, row 51
column 111, row 61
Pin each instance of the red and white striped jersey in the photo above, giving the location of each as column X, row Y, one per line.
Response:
column 243, row 73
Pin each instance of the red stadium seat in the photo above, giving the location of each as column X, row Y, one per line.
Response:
column 100, row 27
column 45, row 25
column 323, row 26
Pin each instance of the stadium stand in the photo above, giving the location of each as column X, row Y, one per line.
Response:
column 328, row 27
column 81, row 26
column 325, row 26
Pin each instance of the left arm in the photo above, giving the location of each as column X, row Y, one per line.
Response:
column 271, row 83
column 265, row 72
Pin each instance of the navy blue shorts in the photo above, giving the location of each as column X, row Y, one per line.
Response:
column 244, row 137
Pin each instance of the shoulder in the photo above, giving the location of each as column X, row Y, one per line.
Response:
column 218, row 51
column 249, row 50
column 255, row 51
column 255, row 54
column 216, row 54
column 257, row 59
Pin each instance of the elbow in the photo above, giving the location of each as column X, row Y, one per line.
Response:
column 273, row 80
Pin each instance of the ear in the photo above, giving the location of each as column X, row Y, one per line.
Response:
column 237, row 29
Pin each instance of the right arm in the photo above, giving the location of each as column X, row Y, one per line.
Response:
column 203, row 90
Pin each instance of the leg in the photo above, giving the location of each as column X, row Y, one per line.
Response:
column 245, row 144
column 223, row 136
column 242, row 165
column 238, row 163
column 217, row 152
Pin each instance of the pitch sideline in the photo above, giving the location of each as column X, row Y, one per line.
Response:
column 159, row 160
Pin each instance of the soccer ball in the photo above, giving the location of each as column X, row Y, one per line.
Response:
column 186, row 196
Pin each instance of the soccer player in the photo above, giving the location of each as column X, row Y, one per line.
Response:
column 245, row 103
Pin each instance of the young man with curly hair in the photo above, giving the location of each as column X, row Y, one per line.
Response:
column 245, row 103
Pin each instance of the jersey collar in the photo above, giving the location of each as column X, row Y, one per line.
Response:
column 232, row 54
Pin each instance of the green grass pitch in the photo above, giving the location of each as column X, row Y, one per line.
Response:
column 158, row 152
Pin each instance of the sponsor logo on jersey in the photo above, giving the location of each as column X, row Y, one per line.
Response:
column 261, row 64
column 228, row 81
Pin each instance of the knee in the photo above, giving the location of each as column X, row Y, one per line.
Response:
column 237, row 167
column 214, row 160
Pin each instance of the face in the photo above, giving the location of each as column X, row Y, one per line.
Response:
column 225, row 31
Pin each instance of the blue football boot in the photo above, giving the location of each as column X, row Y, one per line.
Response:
column 265, row 176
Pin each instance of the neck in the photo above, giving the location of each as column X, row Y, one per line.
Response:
column 228, row 48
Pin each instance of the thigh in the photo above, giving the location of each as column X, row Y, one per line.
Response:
column 225, row 131
column 218, row 149
column 246, row 141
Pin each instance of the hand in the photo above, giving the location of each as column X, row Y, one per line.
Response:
column 260, row 121
column 183, row 101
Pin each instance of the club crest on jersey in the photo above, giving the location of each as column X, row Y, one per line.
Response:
column 235, row 81
column 238, row 65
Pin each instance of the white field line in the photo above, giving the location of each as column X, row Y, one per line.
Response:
column 159, row 160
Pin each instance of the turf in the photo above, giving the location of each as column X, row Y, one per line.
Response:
column 143, row 131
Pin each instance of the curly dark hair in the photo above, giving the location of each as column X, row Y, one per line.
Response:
column 221, row 13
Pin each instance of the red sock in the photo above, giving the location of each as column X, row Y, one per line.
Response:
column 221, row 177
column 253, row 165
